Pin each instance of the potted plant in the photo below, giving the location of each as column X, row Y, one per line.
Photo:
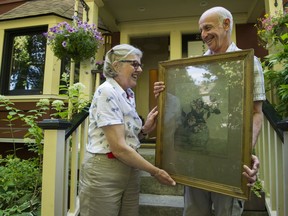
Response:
column 273, row 34
column 97, row 67
column 78, row 41
column 272, row 29
column 257, row 198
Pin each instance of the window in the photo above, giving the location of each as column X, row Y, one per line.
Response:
column 192, row 45
column 23, row 61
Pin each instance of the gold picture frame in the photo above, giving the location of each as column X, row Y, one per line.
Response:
column 204, row 130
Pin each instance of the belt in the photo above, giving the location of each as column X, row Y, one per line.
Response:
column 110, row 155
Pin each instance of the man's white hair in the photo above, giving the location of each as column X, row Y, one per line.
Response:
column 223, row 14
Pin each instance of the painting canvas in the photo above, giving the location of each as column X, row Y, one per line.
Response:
column 204, row 130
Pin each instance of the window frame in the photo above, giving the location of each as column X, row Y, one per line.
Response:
column 9, row 36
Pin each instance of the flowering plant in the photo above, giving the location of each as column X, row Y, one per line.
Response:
column 79, row 41
column 272, row 29
column 97, row 65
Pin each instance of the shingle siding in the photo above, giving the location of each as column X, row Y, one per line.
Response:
column 64, row 8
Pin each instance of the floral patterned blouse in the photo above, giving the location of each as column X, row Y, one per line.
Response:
column 111, row 105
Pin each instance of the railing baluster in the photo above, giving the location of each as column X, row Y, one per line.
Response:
column 84, row 140
column 279, row 175
column 284, row 126
column 66, row 171
column 74, row 172
column 272, row 168
column 285, row 168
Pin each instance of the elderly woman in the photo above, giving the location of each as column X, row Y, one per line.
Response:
column 109, row 181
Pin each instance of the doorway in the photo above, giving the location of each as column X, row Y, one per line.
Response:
column 155, row 49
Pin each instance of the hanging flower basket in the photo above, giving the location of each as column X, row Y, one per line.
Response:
column 79, row 41
column 272, row 30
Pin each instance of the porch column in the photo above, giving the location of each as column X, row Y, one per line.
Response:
column 53, row 175
column 175, row 45
column 85, row 76
column 52, row 72
column 271, row 8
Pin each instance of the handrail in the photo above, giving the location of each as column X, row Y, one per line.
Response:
column 273, row 117
column 76, row 121
column 283, row 124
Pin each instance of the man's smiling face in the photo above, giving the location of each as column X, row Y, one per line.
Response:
column 214, row 32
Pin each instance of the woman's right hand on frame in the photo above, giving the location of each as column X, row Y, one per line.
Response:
column 164, row 178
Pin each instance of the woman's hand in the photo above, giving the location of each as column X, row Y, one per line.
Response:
column 151, row 121
column 158, row 88
column 164, row 178
column 251, row 174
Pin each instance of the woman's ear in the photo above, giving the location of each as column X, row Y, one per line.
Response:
column 115, row 65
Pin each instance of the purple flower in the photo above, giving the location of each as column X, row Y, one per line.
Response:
column 64, row 44
column 77, row 34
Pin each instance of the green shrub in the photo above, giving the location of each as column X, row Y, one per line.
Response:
column 20, row 186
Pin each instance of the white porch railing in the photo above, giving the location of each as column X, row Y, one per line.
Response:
column 61, row 164
column 273, row 154
column 62, row 159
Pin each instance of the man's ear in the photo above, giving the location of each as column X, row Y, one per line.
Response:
column 226, row 24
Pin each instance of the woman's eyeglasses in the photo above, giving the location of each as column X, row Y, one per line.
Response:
column 133, row 63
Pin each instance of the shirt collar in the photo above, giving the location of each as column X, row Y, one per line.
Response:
column 231, row 48
column 119, row 89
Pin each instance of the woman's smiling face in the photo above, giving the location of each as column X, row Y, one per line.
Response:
column 128, row 71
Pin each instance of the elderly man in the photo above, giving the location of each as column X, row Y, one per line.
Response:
column 215, row 26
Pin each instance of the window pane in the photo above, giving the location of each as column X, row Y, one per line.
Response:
column 66, row 68
column 27, row 62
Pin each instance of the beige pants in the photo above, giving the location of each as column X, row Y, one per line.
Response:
column 199, row 202
column 108, row 187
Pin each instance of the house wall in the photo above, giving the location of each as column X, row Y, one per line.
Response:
column 52, row 64
column 27, row 102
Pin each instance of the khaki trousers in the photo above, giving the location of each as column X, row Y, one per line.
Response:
column 108, row 187
column 199, row 202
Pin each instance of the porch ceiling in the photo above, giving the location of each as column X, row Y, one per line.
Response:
column 115, row 11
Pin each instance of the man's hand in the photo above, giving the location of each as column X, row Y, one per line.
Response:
column 251, row 174
column 158, row 88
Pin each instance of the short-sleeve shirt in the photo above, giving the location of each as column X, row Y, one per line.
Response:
column 259, row 87
column 111, row 105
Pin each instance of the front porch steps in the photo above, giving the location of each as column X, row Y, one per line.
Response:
column 161, row 200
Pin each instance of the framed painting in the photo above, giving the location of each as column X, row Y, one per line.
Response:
column 204, row 130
